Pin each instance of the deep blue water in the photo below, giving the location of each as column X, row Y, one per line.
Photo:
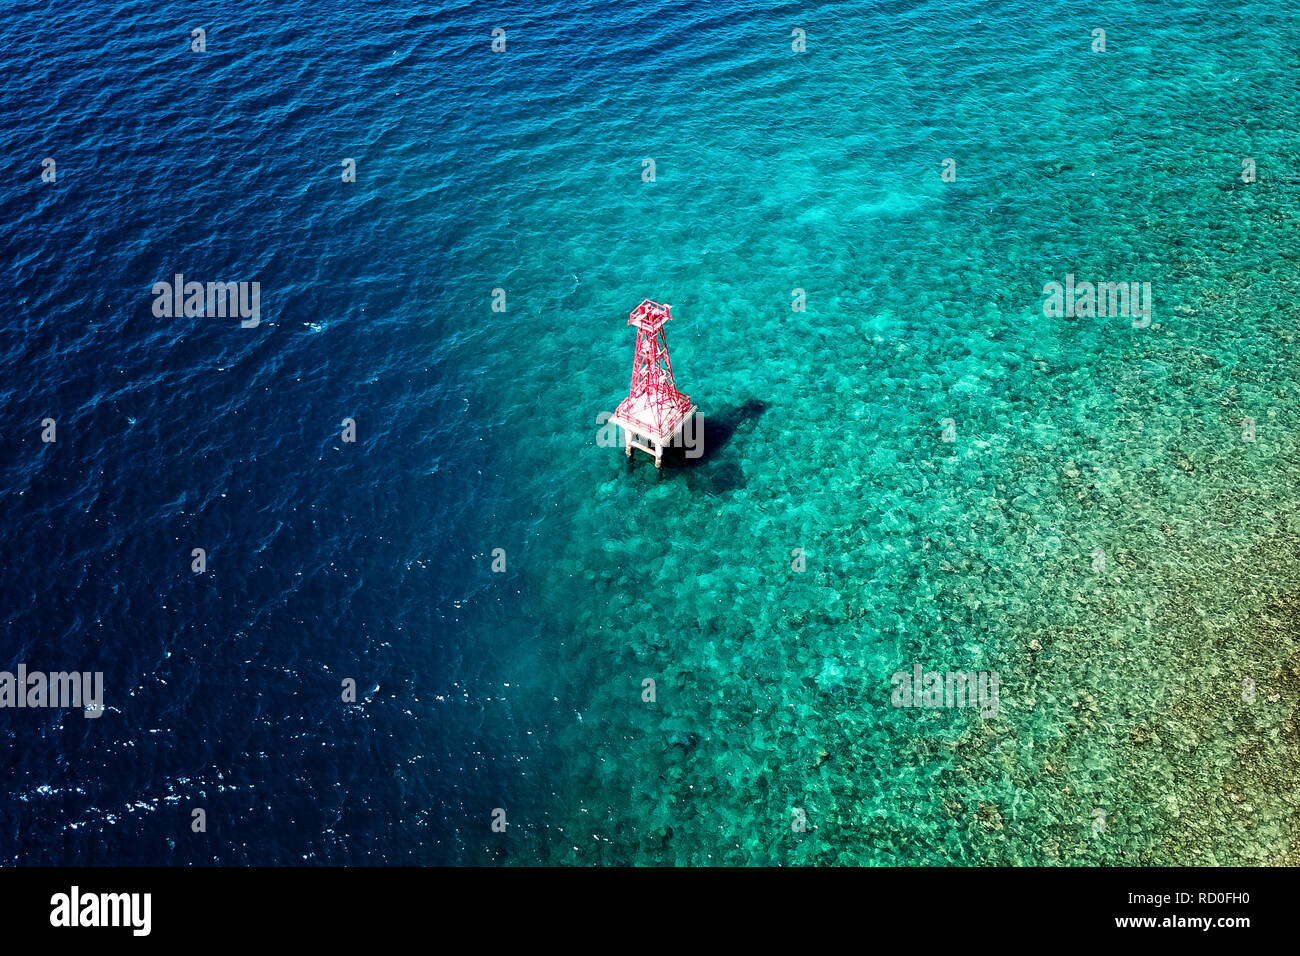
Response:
column 522, row 170
column 326, row 560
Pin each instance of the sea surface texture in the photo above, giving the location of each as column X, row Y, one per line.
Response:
column 854, row 209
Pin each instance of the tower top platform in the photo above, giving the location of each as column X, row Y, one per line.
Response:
column 650, row 316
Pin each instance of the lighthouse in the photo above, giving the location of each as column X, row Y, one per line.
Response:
column 654, row 411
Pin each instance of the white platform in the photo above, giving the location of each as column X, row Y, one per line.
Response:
column 656, row 442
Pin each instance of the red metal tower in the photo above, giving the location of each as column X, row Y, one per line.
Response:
column 653, row 410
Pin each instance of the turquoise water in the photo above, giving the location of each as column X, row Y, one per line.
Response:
column 1121, row 689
